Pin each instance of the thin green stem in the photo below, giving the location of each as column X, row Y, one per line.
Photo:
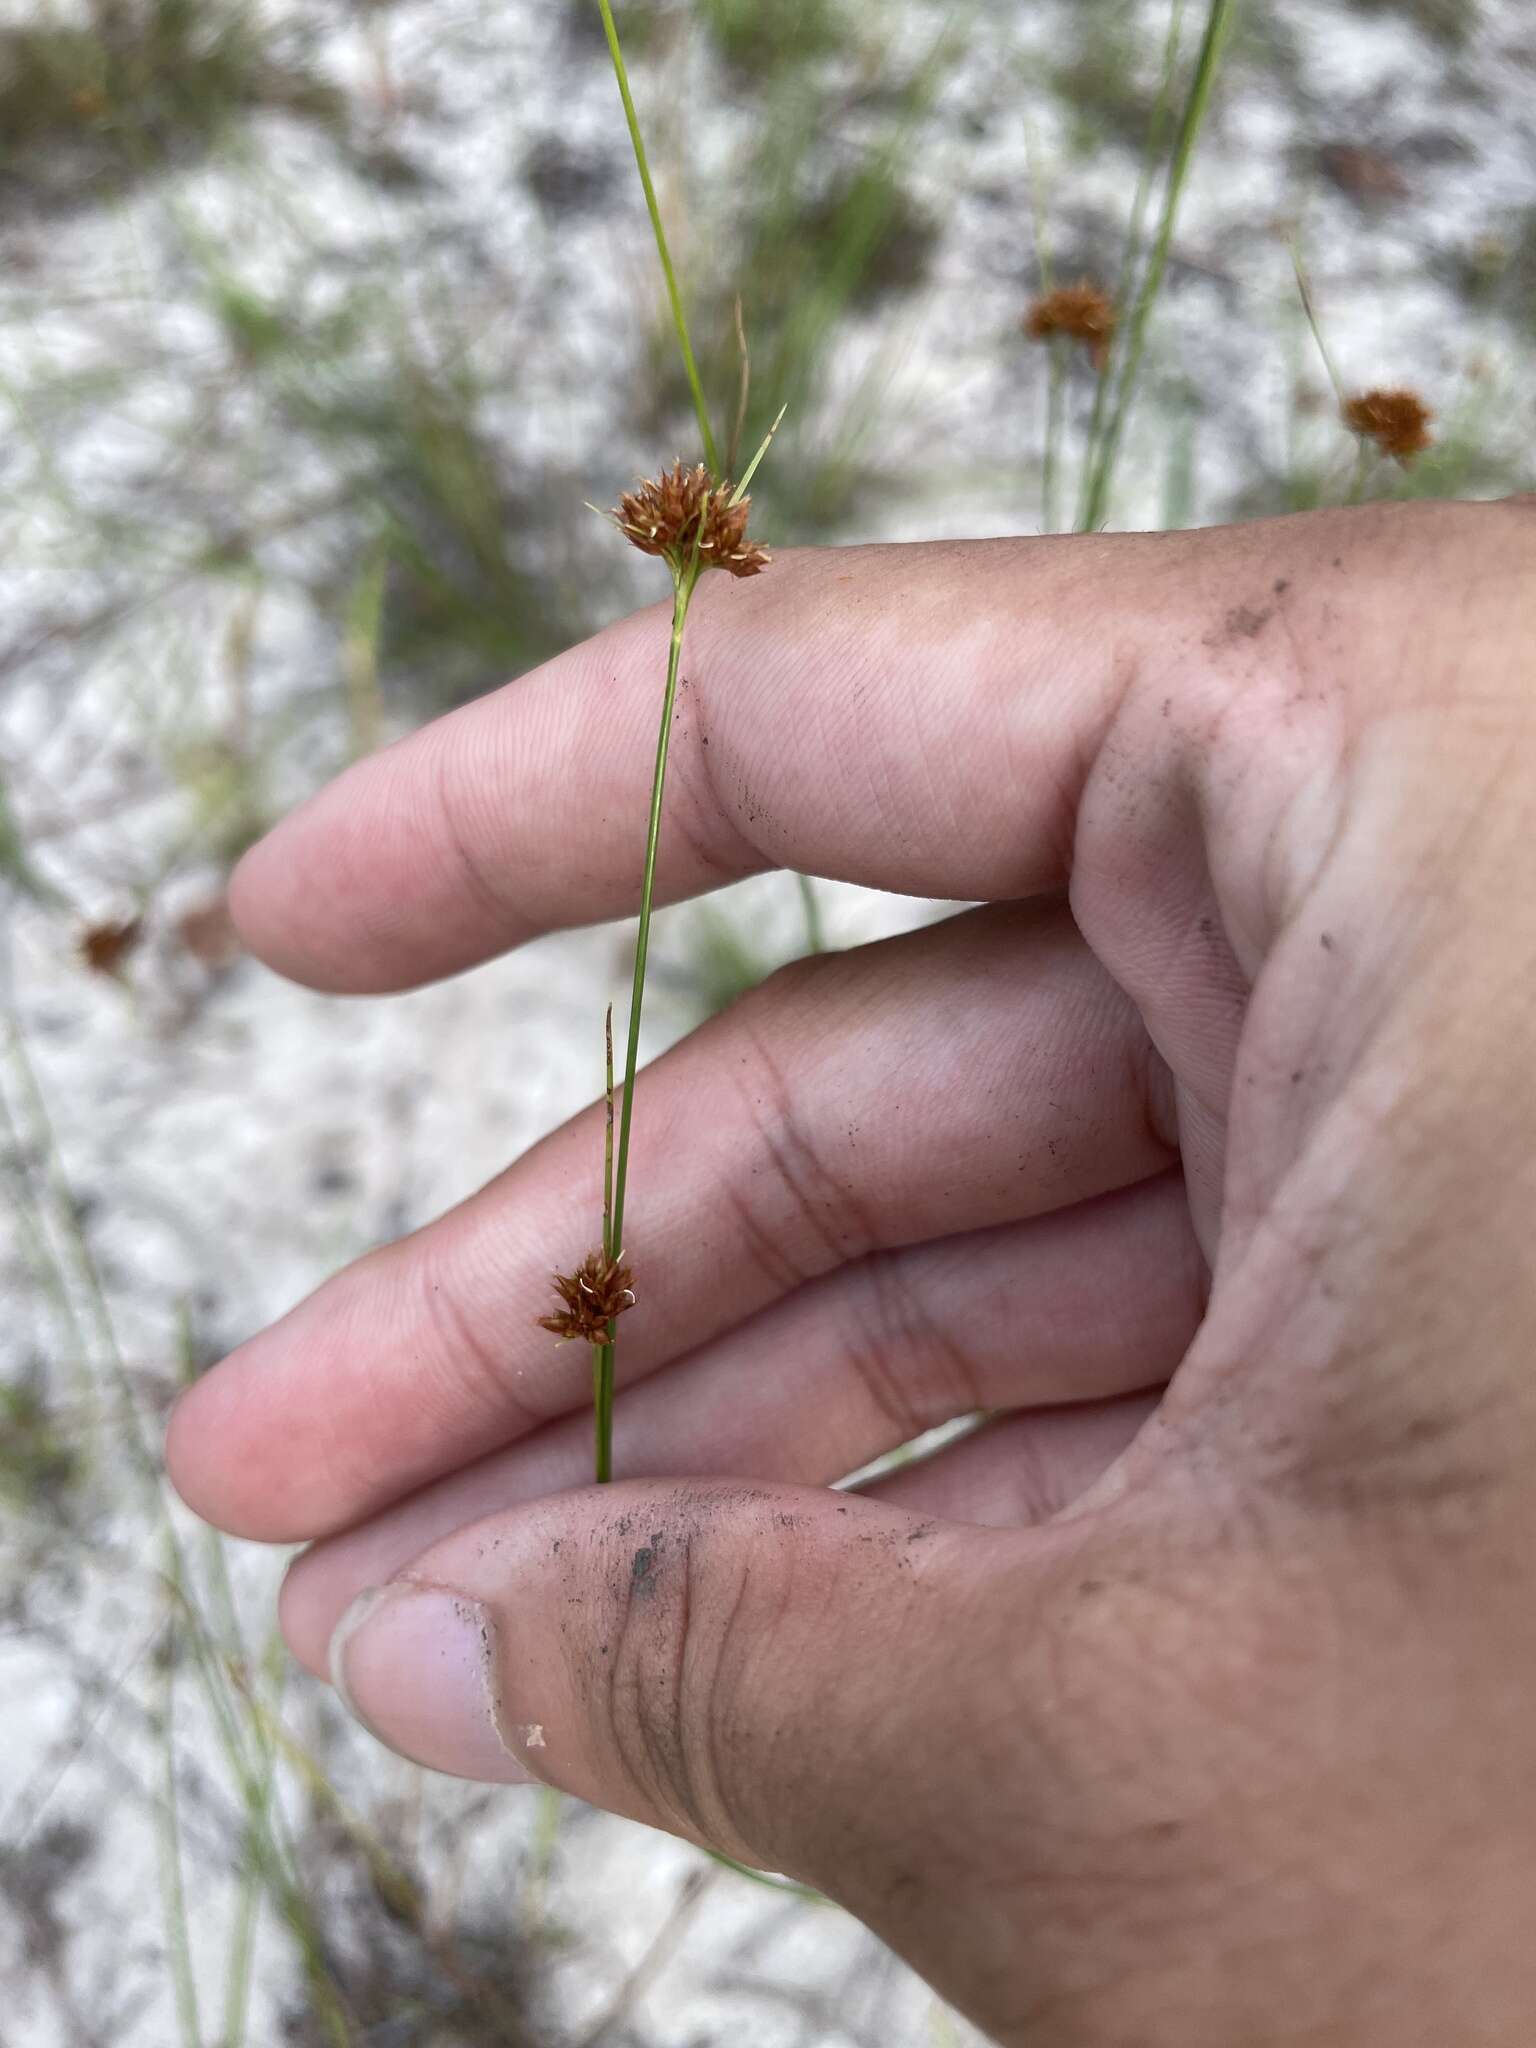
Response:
column 744, row 390
column 1055, row 394
column 602, row 1425
column 682, row 597
column 802, row 1892
column 1308, row 306
column 1039, row 208
column 172, row 1878
column 533, row 1892
column 242, row 1944
column 608, row 1244
column 1131, row 254
column 683, row 590
column 1216, row 24
column 756, row 463
column 602, row 1354
column 1039, row 215
column 674, row 294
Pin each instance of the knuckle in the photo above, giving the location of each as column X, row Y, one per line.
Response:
column 798, row 1215
column 461, row 845
column 462, row 1359
column 1434, row 566
column 915, row 1371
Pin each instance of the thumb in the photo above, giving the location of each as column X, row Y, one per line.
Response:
column 753, row 1669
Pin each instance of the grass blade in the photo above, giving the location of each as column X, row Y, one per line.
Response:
column 1132, row 253
column 752, row 467
column 173, row 1888
column 1217, row 22
column 1309, row 307
column 674, row 294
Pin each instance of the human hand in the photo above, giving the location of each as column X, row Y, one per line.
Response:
column 1190, row 1701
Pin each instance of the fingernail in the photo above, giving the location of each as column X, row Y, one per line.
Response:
column 417, row 1666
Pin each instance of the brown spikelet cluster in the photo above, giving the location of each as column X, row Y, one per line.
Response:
column 1079, row 312
column 104, row 947
column 593, row 1295
column 724, row 543
column 1397, row 421
column 670, row 514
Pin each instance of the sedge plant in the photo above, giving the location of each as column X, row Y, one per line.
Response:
column 1386, row 421
column 694, row 520
column 1111, row 329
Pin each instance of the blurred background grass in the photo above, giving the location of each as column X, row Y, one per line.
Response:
column 319, row 322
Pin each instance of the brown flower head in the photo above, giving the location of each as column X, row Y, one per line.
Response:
column 671, row 514
column 1397, row 421
column 104, row 947
column 723, row 544
column 1080, row 312
column 594, row 1294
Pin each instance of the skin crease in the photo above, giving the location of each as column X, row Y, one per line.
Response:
column 1180, row 1722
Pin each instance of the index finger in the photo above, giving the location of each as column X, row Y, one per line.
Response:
column 919, row 718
